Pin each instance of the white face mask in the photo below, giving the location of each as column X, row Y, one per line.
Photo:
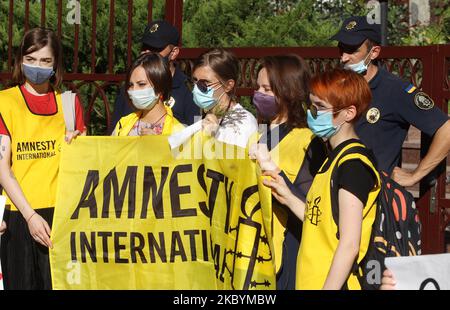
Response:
column 360, row 67
column 143, row 99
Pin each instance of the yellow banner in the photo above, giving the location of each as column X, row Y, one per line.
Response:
column 131, row 214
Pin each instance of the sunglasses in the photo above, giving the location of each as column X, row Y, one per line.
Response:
column 314, row 111
column 202, row 85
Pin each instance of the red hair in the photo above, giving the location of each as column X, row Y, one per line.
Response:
column 342, row 88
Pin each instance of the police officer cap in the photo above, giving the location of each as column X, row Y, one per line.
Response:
column 356, row 29
column 158, row 34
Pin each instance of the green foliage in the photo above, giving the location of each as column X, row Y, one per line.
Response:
column 253, row 23
column 226, row 23
column 436, row 33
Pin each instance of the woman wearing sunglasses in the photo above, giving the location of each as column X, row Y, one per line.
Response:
column 287, row 146
column 149, row 83
column 341, row 203
column 215, row 75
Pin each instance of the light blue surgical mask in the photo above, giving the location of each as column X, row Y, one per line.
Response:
column 143, row 99
column 322, row 126
column 205, row 101
column 36, row 74
column 360, row 67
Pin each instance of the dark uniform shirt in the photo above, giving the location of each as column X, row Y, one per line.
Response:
column 184, row 109
column 395, row 106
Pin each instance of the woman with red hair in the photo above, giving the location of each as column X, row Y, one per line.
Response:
column 340, row 206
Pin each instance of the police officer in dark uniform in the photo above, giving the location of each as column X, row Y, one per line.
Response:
column 161, row 37
column 395, row 105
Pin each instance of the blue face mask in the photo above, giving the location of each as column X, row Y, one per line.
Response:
column 322, row 126
column 205, row 101
column 143, row 99
column 36, row 74
column 360, row 67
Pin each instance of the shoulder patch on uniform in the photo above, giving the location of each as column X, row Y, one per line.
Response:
column 373, row 115
column 410, row 88
column 423, row 101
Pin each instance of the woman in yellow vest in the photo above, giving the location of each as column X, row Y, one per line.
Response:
column 149, row 82
column 288, row 146
column 32, row 128
column 341, row 203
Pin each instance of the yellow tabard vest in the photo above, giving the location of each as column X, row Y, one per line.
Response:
column 288, row 155
column 319, row 241
column 35, row 147
column 126, row 123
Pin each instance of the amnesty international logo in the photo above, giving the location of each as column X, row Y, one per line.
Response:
column 174, row 218
column 30, row 150
column 313, row 213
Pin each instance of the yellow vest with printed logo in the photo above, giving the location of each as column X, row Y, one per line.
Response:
column 288, row 155
column 319, row 240
column 35, row 147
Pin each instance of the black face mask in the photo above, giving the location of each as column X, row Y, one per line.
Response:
column 166, row 59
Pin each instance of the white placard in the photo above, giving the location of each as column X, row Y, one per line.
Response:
column 178, row 138
column 2, row 209
column 423, row 272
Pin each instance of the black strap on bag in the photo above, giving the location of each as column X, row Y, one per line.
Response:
column 359, row 149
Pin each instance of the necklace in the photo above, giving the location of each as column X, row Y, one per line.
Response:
column 156, row 126
column 225, row 113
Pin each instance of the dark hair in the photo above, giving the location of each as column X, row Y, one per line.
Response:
column 33, row 40
column 156, row 70
column 289, row 80
column 342, row 88
column 224, row 64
